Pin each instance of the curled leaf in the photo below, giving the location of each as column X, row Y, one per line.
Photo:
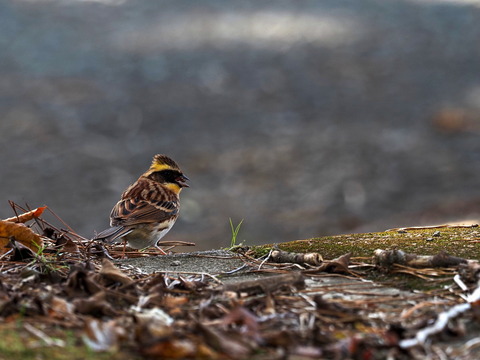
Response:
column 19, row 233
column 112, row 273
column 30, row 215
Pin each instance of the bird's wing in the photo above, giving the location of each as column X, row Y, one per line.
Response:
column 109, row 235
column 144, row 202
column 128, row 212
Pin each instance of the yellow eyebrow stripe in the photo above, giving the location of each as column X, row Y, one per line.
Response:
column 159, row 167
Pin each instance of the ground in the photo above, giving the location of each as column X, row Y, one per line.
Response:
column 348, row 302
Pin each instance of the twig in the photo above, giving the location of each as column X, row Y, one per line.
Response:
column 442, row 321
column 407, row 313
column 280, row 256
column 458, row 280
column 63, row 222
column 266, row 259
column 230, row 257
column 473, row 343
column 443, row 226
column 7, row 253
column 213, row 277
column 386, row 258
column 174, row 243
column 42, row 336
column 235, row 270
column 254, row 262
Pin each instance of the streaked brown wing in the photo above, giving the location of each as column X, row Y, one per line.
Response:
column 109, row 235
column 130, row 212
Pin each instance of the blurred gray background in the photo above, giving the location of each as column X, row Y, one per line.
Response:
column 304, row 118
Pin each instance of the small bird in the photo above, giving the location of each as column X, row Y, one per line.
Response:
column 149, row 207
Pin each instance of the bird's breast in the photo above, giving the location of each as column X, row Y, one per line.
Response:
column 147, row 235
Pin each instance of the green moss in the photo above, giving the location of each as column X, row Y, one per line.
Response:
column 456, row 241
column 17, row 343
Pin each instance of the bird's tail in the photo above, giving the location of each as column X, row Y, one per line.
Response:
column 110, row 235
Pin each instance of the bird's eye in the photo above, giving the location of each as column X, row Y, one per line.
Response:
column 169, row 175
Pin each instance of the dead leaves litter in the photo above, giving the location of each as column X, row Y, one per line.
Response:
column 29, row 215
column 291, row 306
column 10, row 231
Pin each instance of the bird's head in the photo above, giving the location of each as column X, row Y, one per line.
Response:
column 166, row 171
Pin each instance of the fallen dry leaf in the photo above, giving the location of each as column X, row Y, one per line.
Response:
column 245, row 318
column 60, row 308
column 174, row 303
column 96, row 305
column 336, row 266
column 81, row 281
column 30, row 215
column 20, row 233
column 112, row 273
column 66, row 245
column 224, row 343
column 172, row 349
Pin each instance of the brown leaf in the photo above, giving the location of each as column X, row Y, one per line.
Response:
column 173, row 303
column 222, row 342
column 66, row 245
column 112, row 273
column 242, row 316
column 30, row 215
column 20, row 233
column 280, row 337
column 338, row 265
column 20, row 251
column 81, row 281
column 190, row 284
column 95, row 305
column 60, row 308
column 172, row 349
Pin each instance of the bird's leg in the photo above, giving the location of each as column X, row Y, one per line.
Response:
column 162, row 252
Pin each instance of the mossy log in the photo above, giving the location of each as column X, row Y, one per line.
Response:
column 461, row 242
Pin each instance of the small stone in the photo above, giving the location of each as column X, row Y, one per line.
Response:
column 401, row 231
column 429, row 239
column 176, row 263
column 436, row 233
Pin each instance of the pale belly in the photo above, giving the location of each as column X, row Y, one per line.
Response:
column 144, row 236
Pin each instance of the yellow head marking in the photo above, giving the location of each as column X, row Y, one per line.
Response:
column 159, row 167
column 162, row 162
column 174, row 187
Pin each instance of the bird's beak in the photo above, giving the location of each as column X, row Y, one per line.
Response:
column 181, row 180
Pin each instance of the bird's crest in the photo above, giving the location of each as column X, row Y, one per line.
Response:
column 162, row 162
